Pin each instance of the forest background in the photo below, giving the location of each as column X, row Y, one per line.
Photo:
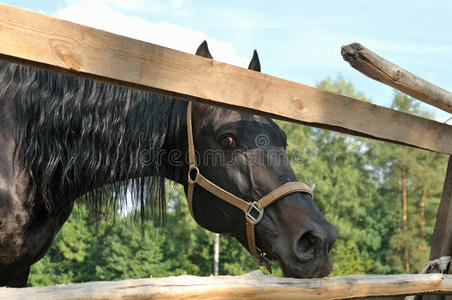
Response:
column 381, row 197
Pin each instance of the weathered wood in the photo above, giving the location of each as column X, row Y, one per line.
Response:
column 254, row 285
column 38, row 40
column 378, row 68
column 442, row 234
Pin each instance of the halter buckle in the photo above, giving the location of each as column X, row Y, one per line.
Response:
column 254, row 213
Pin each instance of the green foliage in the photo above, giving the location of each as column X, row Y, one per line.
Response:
column 342, row 87
column 357, row 184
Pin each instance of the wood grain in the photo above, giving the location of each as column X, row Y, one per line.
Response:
column 254, row 286
column 62, row 46
column 378, row 68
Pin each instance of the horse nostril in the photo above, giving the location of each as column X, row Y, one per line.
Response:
column 306, row 245
column 311, row 237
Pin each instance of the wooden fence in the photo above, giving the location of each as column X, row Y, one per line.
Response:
column 41, row 41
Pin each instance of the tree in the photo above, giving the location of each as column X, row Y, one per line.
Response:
column 64, row 261
column 414, row 178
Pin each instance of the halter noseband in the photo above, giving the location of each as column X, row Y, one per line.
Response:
column 254, row 211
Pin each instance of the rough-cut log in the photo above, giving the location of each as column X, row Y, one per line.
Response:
column 378, row 68
column 253, row 286
column 38, row 40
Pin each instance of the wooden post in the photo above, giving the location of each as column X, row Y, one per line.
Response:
column 376, row 67
column 442, row 234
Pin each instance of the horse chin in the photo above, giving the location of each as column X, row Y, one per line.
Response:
column 316, row 268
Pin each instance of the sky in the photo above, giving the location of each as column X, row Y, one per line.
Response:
column 296, row 40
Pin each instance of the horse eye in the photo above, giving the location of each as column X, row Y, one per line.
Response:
column 227, row 142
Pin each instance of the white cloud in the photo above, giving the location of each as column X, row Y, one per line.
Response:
column 107, row 15
column 175, row 7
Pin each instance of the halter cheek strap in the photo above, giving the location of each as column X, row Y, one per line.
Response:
column 254, row 211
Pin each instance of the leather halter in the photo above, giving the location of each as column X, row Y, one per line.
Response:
column 254, row 211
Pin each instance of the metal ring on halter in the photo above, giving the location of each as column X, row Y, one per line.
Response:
column 193, row 172
column 262, row 260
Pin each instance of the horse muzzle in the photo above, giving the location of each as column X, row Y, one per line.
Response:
column 298, row 236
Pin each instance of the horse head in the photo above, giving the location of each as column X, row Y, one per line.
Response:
column 245, row 155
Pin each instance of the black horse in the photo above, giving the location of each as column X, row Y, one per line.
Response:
column 63, row 137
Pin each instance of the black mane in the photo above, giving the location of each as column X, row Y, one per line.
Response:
column 59, row 119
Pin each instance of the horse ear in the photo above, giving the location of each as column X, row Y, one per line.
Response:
column 203, row 50
column 255, row 64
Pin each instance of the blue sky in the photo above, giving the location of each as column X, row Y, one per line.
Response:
column 296, row 40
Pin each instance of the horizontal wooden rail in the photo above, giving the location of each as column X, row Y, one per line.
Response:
column 42, row 41
column 378, row 68
column 253, row 286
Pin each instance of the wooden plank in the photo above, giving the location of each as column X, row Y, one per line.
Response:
column 253, row 286
column 35, row 39
column 378, row 68
column 442, row 234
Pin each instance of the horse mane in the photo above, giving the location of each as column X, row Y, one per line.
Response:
column 60, row 118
